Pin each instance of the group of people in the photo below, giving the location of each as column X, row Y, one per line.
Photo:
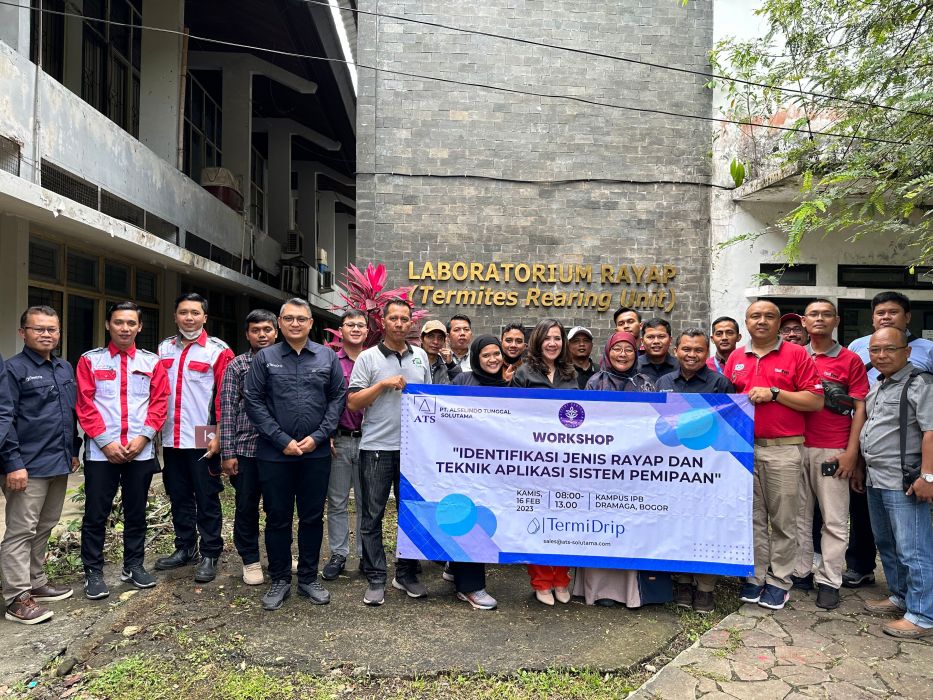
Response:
column 298, row 425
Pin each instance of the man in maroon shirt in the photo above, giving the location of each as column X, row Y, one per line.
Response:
column 346, row 451
column 831, row 450
column 781, row 382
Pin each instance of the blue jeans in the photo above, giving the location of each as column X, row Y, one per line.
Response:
column 904, row 537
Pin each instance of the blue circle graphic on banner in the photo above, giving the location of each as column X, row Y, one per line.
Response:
column 455, row 514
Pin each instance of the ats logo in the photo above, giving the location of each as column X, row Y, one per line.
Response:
column 425, row 409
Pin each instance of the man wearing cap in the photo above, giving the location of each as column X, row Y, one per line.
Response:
column 781, row 382
column 580, row 341
column 792, row 330
column 434, row 342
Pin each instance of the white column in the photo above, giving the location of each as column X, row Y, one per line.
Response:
column 160, row 77
column 14, row 26
column 237, row 133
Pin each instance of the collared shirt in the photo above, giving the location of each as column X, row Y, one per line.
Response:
column 195, row 373
column 43, row 438
column 824, row 428
column 583, row 375
column 122, row 395
column 291, row 395
column 349, row 420
column 921, row 354
column 238, row 437
column 655, row 371
column 785, row 366
column 880, row 437
column 715, row 364
column 705, row 381
column 382, row 421
column 463, row 362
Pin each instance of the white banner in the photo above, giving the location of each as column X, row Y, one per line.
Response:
column 657, row 482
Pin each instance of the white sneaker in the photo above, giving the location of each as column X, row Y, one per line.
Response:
column 480, row 599
column 252, row 574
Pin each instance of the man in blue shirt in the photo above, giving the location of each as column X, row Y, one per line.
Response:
column 294, row 394
column 888, row 310
column 6, row 408
column 40, row 451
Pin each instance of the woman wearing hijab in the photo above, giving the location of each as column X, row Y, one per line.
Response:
column 548, row 366
column 607, row 587
column 487, row 369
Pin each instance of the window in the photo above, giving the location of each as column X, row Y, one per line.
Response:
column 257, row 190
column 203, row 122
column 81, row 285
column 111, row 59
column 52, row 40
column 789, row 275
column 885, row 277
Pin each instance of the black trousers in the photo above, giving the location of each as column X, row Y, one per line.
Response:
column 468, row 577
column 101, row 481
column 861, row 553
column 194, row 491
column 246, row 519
column 285, row 485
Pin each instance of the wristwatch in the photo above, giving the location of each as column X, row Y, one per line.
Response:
column 927, row 478
column 774, row 393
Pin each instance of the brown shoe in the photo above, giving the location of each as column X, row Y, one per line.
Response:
column 905, row 629
column 26, row 610
column 50, row 592
column 883, row 607
column 703, row 602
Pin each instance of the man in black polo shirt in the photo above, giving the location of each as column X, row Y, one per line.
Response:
column 580, row 341
column 694, row 377
column 656, row 361
column 294, row 395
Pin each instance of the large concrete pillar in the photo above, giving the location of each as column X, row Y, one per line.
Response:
column 340, row 258
column 237, row 132
column 326, row 225
column 279, row 190
column 160, row 76
column 14, row 26
column 14, row 279
column 307, row 207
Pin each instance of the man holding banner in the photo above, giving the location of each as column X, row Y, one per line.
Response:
column 781, row 381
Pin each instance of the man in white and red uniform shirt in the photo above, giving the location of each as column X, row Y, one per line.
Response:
column 122, row 400
column 195, row 364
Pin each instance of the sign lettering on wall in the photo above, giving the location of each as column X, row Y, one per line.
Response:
column 641, row 286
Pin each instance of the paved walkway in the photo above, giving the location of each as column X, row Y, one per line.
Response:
column 799, row 652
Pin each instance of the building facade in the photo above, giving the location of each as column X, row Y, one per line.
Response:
column 144, row 152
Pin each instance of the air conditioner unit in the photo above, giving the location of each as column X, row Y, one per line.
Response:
column 294, row 242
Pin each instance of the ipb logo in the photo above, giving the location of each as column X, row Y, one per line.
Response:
column 571, row 415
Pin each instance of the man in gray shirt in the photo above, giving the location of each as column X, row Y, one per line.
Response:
column 900, row 512
column 376, row 384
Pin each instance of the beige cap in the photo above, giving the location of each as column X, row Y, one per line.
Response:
column 432, row 326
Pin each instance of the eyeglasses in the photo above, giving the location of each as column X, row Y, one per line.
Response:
column 295, row 319
column 786, row 330
column 820, row 314
column 354, row 325
column 38, row 330
column 886, row 350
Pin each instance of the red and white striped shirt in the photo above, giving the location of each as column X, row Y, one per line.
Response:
column 121, row 395
column 195, row 372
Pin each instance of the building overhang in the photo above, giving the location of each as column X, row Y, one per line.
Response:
column 780, row 186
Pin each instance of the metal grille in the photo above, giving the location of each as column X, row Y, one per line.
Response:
column 69, row 186
column 118, row 208
column 9, row 156
column 161, row 228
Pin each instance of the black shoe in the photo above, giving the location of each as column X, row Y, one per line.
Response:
column 138, row 576
column 333, row 567
column 178, row 558
column 853, row 579
column 683, row 595
column 95, row 587
column 315, row 592
column 276, row 595
column 605, row 602
column 802, row 583
column 827, row 597
column 206, row 571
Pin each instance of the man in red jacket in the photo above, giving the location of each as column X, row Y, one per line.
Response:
column 122, row 401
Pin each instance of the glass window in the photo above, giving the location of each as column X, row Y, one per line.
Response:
column 81, row 324
column 83, row 270
column 117, row 280
column 148, row 338
column 791, row 275
column 44, row 260
column 147, row 288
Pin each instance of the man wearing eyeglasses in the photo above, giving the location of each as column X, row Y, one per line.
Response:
column 888, row 310
column 345, row 469
column 195, row 363
column 294, row 395
column 40, row 451
column 899, row 498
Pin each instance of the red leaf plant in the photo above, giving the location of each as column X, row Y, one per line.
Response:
column 364, row 292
